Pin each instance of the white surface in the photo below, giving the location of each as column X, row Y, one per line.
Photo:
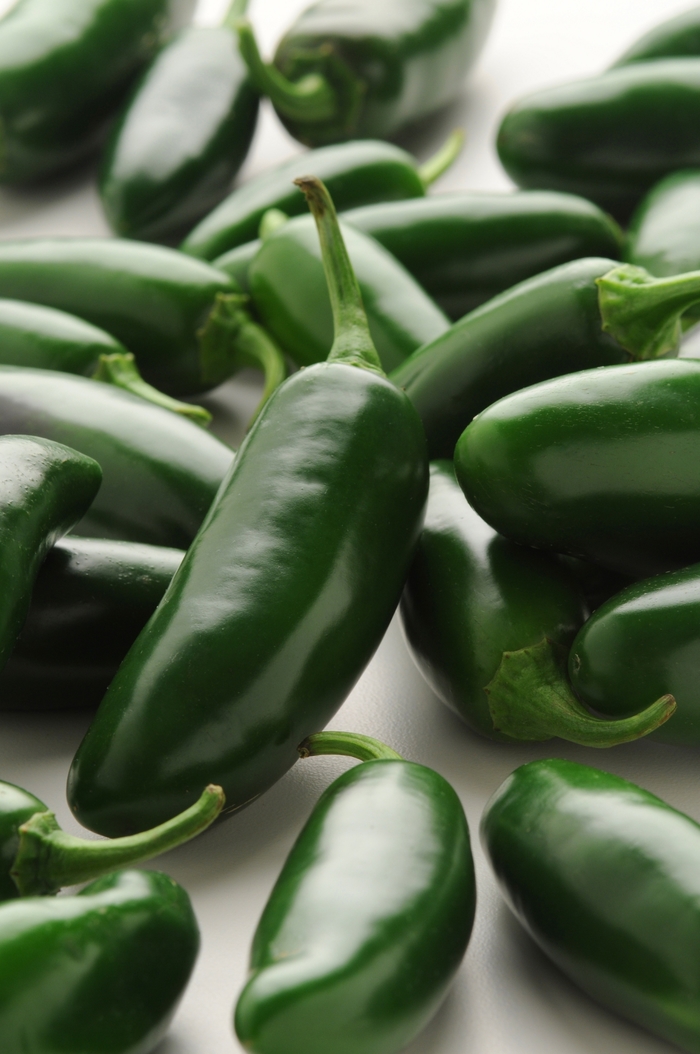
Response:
column 507, row 998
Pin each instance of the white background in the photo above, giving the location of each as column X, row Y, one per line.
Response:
column 507, row 998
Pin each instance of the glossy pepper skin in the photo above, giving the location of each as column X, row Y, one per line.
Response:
column 102, row 971
column 45, row 489
column 368, row 921
column 604, row 877
column 289, row 291
column 65, row 67
column 44, row 338
column 349, row 70
column 465, row 248
column 91, row 599
column 160, row 471
column 185, row 133
column 601, row 464
column 609, row 138
column 677, row 37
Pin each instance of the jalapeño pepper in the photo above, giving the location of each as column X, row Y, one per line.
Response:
column 677, row 37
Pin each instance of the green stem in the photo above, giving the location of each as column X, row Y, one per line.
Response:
column 347, row 744
column 353, row 344
column 255, row 348
column 309, row 99
column 643, row 313
column 446, row 156
column 272, row 220
column 235, row 13
column 120, row 370
column 530, row 698
column 49, row 859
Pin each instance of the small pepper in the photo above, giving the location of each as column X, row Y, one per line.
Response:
column 677, row 37
column 370, row 917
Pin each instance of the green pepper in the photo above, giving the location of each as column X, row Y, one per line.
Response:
column 357, row 173
column 609, row 138
column 45, row 489
column 102, row 971
column 353, row 68
column 65, row 67
column 465, row 248
column 182, row 319
column 604, row 877
column 185, row 133
column 284, row 594
column 161, row 472
column 677, row 37
column 370, row 917
column 471, row 599
column 91, row 599
column 290, row 294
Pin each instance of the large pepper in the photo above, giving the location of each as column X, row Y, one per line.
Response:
column 353, row 68
column 357, row 173
column 161, row 472
column 65, row 66
column 606, row 878
column 677, row 37
column 90, row 601
column 102, row 971
column 473, row 601
column 370, row 917
column 176, row 149
column 284, row 594
column 465, row 248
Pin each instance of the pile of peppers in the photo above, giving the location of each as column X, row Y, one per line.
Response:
column 451, row 385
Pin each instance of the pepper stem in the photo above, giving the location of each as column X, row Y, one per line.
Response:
column 309, row 99
column 348, row 745
column 643, row 313
column 235, row 13
column 49, row 859
column 271, row 221
column 446, row 156
column 530, row 698
column 120, row 370
column 353, row 343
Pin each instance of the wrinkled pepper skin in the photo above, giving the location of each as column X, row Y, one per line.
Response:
column 677, row 37
column 16, row 807
column 644, row 637
column 357, row 173
column 46, row 339
column 65, row 67
column 154, row 300
column 176, row 150
column 161, row 472
column 45, row 489
column 368, row 921
column 90, row 601
column 605, row 878
column 609, row 138
column 545, row 326
column 102, row 971
column 289, row 291
column 603, row 465
column 472, row 595
column 466, row 248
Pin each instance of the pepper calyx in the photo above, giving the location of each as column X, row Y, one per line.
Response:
column 347, row 744
column 644, row 313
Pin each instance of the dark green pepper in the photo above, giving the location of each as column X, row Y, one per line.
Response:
column 290, row 293
column 161, row 472
column 609, row 138
column 370, row 917
column 347, row 69
column 65, row 67
column 677, row 37
column 91, row 599
column 465, row 248
column 102, row 971
column 604, row 876
column 177, row 147
column 358, row 173
column 471, row 599
column 284, row 594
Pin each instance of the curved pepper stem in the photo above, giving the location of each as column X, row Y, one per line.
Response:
column 49, row 859
column 309, row 99
column 644, row 313
column 235, row 13
column 120, row 370
column 353, row 343
column 530, row 698
column 446, row 156
column 347, row 744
